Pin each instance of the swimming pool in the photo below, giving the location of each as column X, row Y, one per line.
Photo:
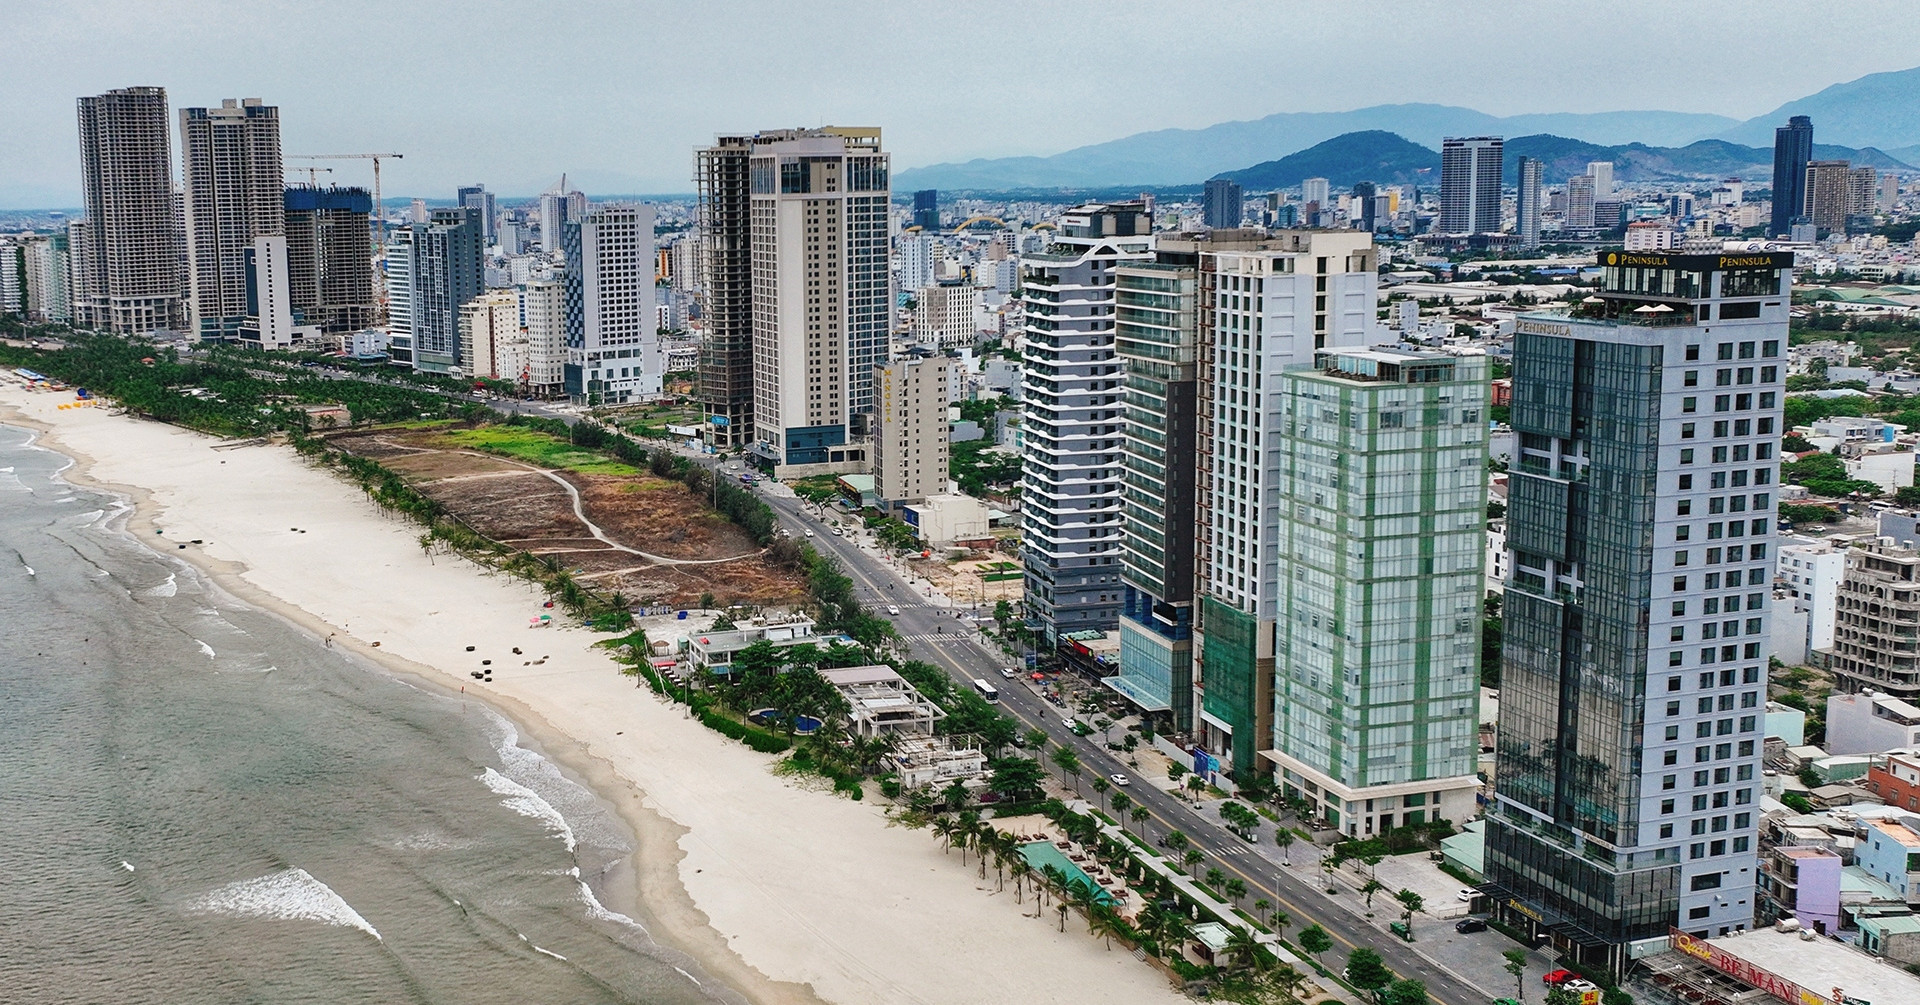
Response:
column 1040, row 854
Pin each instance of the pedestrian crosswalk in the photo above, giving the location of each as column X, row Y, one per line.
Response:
column 939, row 637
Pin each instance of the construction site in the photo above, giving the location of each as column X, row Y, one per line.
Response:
column 612, row 526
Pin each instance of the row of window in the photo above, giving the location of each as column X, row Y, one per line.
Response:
column 1730, row 553
column 1769, row 348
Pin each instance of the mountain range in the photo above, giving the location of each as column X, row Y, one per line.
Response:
column 1377, row 155
column 1881, row 110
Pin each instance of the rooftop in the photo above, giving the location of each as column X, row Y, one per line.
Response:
column 1822, row 964
column 1898, row 832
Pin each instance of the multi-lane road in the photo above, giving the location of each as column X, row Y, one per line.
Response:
column 955, row 645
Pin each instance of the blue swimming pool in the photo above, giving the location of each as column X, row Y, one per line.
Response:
column 1040, row 854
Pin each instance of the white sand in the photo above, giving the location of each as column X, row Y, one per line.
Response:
column 808, row 888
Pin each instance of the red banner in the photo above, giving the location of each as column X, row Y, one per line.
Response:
column 1741, row 970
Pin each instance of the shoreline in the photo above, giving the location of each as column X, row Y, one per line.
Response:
column 788, row 895
column 652, row 866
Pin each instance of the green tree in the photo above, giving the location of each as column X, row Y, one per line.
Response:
column 1193, row 857
column 1405, row 992
column 1017, row 778
column 1284, row 837
column 1140, row 815
column 1369, row 888
column 1366, row 971
column 1410, row 903
column 1560, row 994
column 1314, row 940
column 1516, row 965
column 1069, row 764
column 1100, row 786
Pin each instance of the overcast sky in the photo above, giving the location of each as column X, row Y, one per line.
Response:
column 617, row 93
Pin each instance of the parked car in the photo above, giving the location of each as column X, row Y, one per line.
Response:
column 1467, row 895
column 1558, row 977
column 1467, row 926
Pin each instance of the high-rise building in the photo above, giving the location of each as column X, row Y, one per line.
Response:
column 1526, row 206
column 494, row 337
column 1863, row 192
column 726, row 242
column 1602, row 174
column 1470, row 184
column 330, row 257
column 13, row 275
column 1364, row 215
column 918, row 260
column 1222, row 205
column 1879, row 599
column 613, row 340
column 230, row 161
column 477, row 198
column 1316, row 190
column 1792, row 151
column 1073, row 427
column 558, row 205
column 1640, row 526
column 128, row 273
column 1381, row 527
column 398, row 260
column 543, row 312
column 926, row 209
column 1274, row 308
column 910, row 429
column 448, row 270
column 1156, row 333
column 1889, row 194
column 1829, row 195
column 1579, row 215
column 822, row 296
column 946, row 315
column 269, row 322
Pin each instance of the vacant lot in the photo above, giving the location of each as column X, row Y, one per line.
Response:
column 496, row 480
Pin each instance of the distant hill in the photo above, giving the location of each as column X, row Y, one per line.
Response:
column 1178, row 156
column 1373, row 155
column 1377, row 155
column 1878, row 110
column 1704, row 159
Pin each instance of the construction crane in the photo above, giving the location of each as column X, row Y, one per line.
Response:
column 379, row 209
column 313, row 174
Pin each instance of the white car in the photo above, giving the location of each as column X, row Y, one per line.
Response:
column 1467, row 895
column 1119, row 779
column 893, row 609
column 1009, row 673
column 809, row 531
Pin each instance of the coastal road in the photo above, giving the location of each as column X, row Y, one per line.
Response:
column 956, row 645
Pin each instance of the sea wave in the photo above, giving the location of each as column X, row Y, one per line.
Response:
column 166, row 589
column 293, row 895
column 527, row 803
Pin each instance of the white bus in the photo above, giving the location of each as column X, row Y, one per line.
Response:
column 987, row 691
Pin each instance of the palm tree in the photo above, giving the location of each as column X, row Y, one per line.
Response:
column 1121, row 803
column 1244, row 950
column 1284, row 837
column 1106, row 924
column 1234, row 888
column 1020, row 870
column 945, row 828
column 1140, row 815
column 1215, row 878
column 1279, row 922
column 966, row 830
column 1263, row 905
column 1193, row 857
column 1100, row 786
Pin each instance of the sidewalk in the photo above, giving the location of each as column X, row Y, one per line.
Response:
column 1474, row 958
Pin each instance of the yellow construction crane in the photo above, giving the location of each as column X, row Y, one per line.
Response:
column 379, row 209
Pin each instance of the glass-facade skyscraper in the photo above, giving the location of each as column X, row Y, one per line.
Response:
column 1792, row 150
column 1640, row 532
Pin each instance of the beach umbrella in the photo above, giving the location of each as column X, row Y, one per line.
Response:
column 1648, row 309
column 1593, row 300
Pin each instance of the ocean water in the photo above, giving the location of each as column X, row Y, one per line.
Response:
column 200, row 803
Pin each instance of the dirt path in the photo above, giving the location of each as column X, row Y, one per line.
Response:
column 580, row 513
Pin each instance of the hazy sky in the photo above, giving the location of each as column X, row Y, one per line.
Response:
column 617, row 93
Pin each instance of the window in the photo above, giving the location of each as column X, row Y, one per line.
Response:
column 1693, row 352
column 1706, row 881
column 1686, row 484
column 1692, row 378
column 1723, row 351
column 1686, row 455
column 1689, row 404
column 1686, row 433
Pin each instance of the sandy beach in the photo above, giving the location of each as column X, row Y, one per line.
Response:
column 789, row 894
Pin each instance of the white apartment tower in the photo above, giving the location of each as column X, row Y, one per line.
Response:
column 543, row 312
column 495, row 340
column 613, row 342
column 126, row 254
column 230, row 161
column 910, row 429
column 1074, row 418
column 1273, row 309
column 822, row 297
column 946, row 314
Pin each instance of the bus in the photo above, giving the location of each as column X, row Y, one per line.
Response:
column 987, row 691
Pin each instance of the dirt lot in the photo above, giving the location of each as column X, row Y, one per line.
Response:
column 511, row 502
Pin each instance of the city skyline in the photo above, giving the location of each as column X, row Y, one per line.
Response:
column 265, row 55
